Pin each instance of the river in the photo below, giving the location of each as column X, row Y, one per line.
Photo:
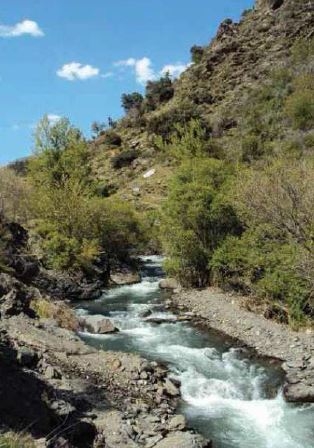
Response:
column 226, row 396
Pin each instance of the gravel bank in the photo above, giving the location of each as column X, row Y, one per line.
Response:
column 223, row 312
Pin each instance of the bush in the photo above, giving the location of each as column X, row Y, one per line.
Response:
column 124, row 158
column 59, row 311
column 13, row 440
column 111, row 138
column 158, row 92
column 259, row 264
column 196, row 218
column 197, row 53
column 131, row 101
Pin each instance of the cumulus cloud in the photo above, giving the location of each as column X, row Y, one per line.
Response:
column 143, row 68
column 77, row 71
column 26, row 27
column 174, row 70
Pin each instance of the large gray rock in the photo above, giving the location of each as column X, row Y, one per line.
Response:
column 169, row 283
column 98, row 325
column 125, row 277
column 183, row 440
column 299, row 393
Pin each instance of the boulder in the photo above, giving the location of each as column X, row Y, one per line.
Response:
column 98, row 325
column 125, row 278
column 177, row 422
column 299, row 393
column 169, row 283
column 179, row 439
column 171, row 389
column 161, row 320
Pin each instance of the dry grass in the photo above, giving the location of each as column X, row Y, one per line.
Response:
column 14, row 440
column 59, row 311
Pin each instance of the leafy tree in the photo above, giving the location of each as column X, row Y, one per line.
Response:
column 197, row 53
column 196, row 219
column 60, row 153
column 131, row 101
column 158, row 92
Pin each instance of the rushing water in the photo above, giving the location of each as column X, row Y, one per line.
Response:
column 224, row 396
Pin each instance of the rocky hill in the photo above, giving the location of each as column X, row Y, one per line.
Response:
column 214, row 89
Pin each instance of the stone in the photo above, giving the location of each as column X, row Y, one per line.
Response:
column 52, row 373
column 98, row 325
column 183, row 440
column 169, row 283
column 171, row 389
column 299, row 393
column 125, row 277
column 177, row 422
column 161, row 320
column 116, row 364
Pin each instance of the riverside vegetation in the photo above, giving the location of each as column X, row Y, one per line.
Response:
column 237, row 207
column 231, row 199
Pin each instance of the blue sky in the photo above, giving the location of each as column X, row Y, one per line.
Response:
column 75, row 58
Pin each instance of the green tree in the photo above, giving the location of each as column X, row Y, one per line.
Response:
column 196, row 218
column 131, row 101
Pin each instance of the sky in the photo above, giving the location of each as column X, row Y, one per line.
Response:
column 75, row 58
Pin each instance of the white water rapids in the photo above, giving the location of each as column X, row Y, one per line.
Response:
column 224, row 395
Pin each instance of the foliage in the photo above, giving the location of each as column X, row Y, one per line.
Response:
column 14, row 196
column 299, row 106
column 76, row 227
column 61, row 153
column 158, row 92
column 59, row 311
column 131, row 101
column 14, row 440
column 188, row 141
column 98, row 128
column 124, row 158
column 197, row 53
column 274, row 258
column 196, row 218
column 111, row 138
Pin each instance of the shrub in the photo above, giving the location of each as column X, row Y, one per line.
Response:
column 197, row 53
column 131, row 101
column 300, row 109
column 124, row 158
column 158, row 92
column 111, row 138
column 196, row 218
column 59, row 311
column 13, row 440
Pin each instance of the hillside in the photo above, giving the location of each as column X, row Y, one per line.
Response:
column 214, row 89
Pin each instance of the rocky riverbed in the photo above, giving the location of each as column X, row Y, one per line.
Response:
column 223, row 312
column 71, row 395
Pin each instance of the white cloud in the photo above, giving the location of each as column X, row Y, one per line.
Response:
column 143, row 68
column 53, row 118
column 174, row 70
column 74, row 70
column 25, row 27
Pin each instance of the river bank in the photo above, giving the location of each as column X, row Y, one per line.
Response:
column 68, row 394
column 223, row 312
